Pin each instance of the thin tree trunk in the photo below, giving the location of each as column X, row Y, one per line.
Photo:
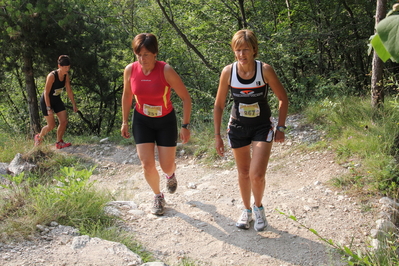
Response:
column 377, row 86
column 32, row 97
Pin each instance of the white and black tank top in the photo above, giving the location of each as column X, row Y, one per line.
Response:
column 250, row 106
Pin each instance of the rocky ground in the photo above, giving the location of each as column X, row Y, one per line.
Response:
column 200, row 217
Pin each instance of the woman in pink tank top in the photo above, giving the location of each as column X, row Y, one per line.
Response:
column 149, row 83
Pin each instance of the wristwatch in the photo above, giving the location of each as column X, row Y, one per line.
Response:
column 186, row 126
column 48, row 108
column 281, row 128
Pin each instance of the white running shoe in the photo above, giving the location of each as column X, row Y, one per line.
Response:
column 245, row 219
column 260, row 218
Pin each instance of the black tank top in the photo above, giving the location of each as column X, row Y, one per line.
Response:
column 250, row 97
column 58, row 85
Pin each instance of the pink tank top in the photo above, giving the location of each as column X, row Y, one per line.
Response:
column 152, row 92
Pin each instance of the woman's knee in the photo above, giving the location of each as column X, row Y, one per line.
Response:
column 148, row 166
column 243, row 175
column 258, row 178
column 50, row 126
column 63, row 123
column 243, row 171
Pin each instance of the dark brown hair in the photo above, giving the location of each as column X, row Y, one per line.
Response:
column 146, row 40
column 63, row 60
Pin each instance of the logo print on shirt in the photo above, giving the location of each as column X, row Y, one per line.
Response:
column 258, row 83
column 247, row 92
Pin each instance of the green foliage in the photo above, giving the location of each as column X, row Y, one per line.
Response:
column 72, row 181
column 72, row 201
column 379, row 48
column 15, row 181
column 317, row 50
column 385, row 41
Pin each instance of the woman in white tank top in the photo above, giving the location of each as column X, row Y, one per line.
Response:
column 250, row 131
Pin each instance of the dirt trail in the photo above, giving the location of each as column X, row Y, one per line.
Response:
column 199, row 222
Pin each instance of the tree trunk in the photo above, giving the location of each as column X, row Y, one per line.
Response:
column 32, row 97
column 377, row 86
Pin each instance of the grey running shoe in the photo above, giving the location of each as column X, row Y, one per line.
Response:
column 245, row 219
column 159, row 204
column 171, row 183
column 260, row 218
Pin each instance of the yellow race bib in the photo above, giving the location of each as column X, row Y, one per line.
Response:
column 152, row 111
column 249, row 110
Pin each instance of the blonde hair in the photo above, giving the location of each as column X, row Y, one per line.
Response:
column 245, row 37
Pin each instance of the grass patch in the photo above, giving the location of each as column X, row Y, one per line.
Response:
column 202, row 143
column 58, row 190
column 11, row 145
column 364, row 138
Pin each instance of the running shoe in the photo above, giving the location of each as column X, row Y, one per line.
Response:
column 260, row 218
column 245, row 219
column 61, row 144
column 171, row 183
column 38, row 140
column 159, row 204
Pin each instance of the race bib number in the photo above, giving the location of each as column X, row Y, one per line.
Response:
column 152, row 111
column 249, row 110
column 57, row 92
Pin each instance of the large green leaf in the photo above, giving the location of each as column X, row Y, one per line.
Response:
column 379, row 48
column 388, row 30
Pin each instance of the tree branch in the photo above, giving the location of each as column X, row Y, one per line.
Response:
column 185, row 39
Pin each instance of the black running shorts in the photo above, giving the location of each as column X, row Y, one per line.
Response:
column 240, row 135
column 159, row 130
column 55, row 103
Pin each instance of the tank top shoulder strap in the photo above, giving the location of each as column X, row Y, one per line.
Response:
column 233, row 72
column 55, row 73
column 161, row 68
column 259, row 75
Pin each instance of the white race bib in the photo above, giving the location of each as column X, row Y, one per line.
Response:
column 249, row 110
column 152, row 111
column 57, row 92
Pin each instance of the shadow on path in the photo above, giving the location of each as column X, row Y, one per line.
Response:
column 272, row 243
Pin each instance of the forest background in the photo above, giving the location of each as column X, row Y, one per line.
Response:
column 317, row 47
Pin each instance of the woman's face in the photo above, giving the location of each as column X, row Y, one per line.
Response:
column 64, row 69
column 145, row 57
column 244, row 54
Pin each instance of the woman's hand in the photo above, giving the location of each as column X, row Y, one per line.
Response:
column 184, row 135
column 279, row 136
column 219, row 145
column 125, row 131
